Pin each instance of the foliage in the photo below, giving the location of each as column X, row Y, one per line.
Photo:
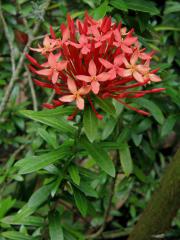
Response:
column 56, row 183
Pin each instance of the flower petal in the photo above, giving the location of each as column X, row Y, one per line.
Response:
column 85, row 50
column 127, row 73
column 106, row 63
column 52, row 60
column 117, row 35
column 46, row 41
column 154, row 78
column 120, row 72
column 95, row 87
column 118, row 60
column 55, row 76
column 71, row 85
column 61, row 65
column 67, row 98
column 112, row 74
column 84, row 90
column 134, row 58
column 142, row 68
column 80, row 103
column 138, row 77
column 126, row 49
column 128, row 41
column 104, row 76
column 92, row 68
column 44, row 72
column 83, row 78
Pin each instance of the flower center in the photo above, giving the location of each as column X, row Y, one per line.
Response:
column 94, row 78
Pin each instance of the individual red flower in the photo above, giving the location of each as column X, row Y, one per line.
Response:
column 93, row 57
column 114, row 69
column 133, row 69
column 54, row 67
column 94, row 79
column 49, row 45
column 83, row 44
column 76, row 94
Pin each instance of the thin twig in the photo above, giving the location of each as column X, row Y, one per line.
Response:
column 20, row 64
column 6, row 31
column 33, row 93
column 51, row 96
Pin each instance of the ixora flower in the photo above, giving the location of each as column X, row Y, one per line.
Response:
column 93, row 57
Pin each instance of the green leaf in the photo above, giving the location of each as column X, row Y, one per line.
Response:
column 119, row 4
column 142, row 6
column 87, row 189
column 108, row 128
column 17, row 235
column 74, row 174
column 51, row 120
column 125, row 159
column 81, row 201
column 90, row 124
column 168, row 125
column 106, row 105
column 35, row 163
column 5, row 205
column 49, row 138
column 172, row 6
column 55, row 228
column 152, row 108
column 100, row 156
column 100, row 12
column 36, row 199
column 29, row 221
column 10, row 8
column 39, row 197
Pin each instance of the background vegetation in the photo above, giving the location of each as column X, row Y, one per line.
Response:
column 51, row 185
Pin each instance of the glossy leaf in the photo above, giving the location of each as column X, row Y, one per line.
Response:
column 125, row 159
column 35, row 163
column 152, row 108
column 55, row 228
column 81, row 201
column 100, row 156
column 90, row 124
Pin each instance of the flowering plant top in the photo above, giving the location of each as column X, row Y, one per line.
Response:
column 93, row 57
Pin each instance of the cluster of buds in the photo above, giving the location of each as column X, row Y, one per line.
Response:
column 93, row 57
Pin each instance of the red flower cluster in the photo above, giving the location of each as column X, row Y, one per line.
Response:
column 93, row 57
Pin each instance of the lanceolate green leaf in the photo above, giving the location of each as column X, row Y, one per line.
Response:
column 59, row 111
column 13, row 235
column 55, row 228
column 168, row 125
column 81, row 201
column 106, row 105
column 152, row 108
column 55, row 120
column 100, row 156
column 100, row 12
column 119, row 4
column 125, row 159
column 142, row 6
column 35, row 163
column 74, row 174
column 90, row 124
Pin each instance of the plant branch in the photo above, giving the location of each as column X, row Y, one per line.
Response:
column 33, row 93
column 6, row 31
column 20, row 64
